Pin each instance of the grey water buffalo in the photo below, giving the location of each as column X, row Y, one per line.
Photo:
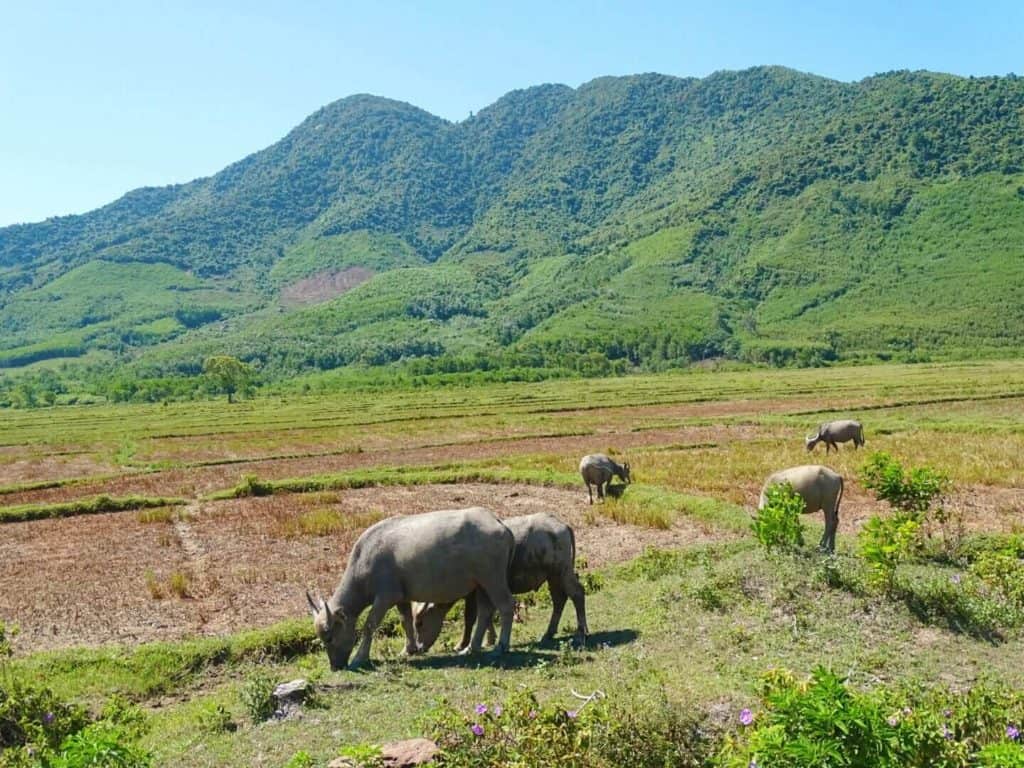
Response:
column 545, row 551
column 597, row 469
column 434, row 557
column 834, row 432
column 820, row 488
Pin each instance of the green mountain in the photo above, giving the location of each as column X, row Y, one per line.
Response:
column 644, row 221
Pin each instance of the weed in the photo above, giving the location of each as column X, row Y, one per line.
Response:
column 885, row 543
column 155, row 515
column 250, row 485
column 214, row 718
column 257, row 695
column 153, row 585
column 179, row 583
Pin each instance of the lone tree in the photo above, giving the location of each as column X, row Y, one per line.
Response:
column 228, row 374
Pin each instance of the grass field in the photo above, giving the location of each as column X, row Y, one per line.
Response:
column 162, row 552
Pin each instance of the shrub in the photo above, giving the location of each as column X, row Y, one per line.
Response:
column 885, row 543
column 214, row 718
column 823, row 721
column 257, row 696
column 777, row 525
column 592, row 734
column 101, row 744
column 914, row 492
column 300, row 759
column 1003, row 572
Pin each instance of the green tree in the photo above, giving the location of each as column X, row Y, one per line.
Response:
column 228, row 374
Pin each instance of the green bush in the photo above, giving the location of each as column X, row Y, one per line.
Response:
column 257, row 695
column 101, row 745
column 214, row 718
column 913, row 492
column 884, row 543
column 777, row 525
column 824, row 721
column 592, row 734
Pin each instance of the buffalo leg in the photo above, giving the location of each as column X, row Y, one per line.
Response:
column 412, row 643
column 380, row 607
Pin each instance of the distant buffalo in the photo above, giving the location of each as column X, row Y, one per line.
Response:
column 837, row 432
column 597, row 469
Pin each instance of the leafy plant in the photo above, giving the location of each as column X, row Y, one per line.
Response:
column 884, row 543
column 101, row 745
column 777, row 525
column 914, row 492
column 257, row 695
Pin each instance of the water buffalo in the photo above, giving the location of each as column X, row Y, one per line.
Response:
column 834, row 432
column 820, row 488
column 434, row 557
column 597, row 469
column 545, row 551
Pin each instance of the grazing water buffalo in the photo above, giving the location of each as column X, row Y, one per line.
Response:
column 545, row 551
column 433, row 557
column 597, row 469
column 837, row 432
column 820, row 488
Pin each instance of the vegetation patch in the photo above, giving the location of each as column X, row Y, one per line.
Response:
column 93, row 506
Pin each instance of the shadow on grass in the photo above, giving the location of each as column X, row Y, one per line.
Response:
column 529, row 655
column 615, row 491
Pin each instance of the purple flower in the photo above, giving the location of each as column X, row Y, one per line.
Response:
column 571, row 714
column 947, row 713
column 1012, row 733
column 955, row 578
column 533, row 714
column 477, row 729
column 946, row 733
column 752, row 764
column 480, row 709
column 746, row 716
column 907, row 710
column 893, row 720
column 48, row 718
column 497, row 710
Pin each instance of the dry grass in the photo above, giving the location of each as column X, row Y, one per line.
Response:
column 155, row 515
column 179, row 583
column 153, row 585
column 321, row 521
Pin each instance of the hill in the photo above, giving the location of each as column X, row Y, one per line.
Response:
column 635, row 222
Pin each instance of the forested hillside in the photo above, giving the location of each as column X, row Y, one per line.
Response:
column 635, row 222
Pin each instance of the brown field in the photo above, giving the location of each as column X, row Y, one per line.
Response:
column 108, row 577
column 83, row 580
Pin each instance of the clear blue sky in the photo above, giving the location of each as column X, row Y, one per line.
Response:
column 98, row 98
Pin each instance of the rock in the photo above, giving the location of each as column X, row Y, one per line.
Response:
column 397, row 754
column 296, row 690
column 410, row 752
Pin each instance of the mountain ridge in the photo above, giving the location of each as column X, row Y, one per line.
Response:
column 756, row 179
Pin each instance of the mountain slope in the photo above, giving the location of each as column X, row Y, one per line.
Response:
column 635, row 221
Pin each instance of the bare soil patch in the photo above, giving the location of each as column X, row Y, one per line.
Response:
column 325, row 285
column 83, row 580
column 49, row 467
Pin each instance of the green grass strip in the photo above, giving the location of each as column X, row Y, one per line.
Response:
column 157, row 669
column 22, row 512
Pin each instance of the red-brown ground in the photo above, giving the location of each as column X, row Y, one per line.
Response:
column 84, row 580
